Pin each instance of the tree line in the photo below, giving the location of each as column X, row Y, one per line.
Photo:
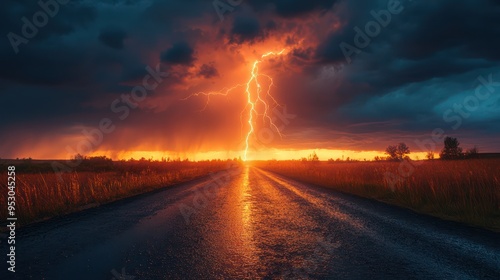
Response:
column 450, row 151
column 401, row 151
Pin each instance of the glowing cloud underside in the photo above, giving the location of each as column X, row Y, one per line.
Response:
column 255, row 96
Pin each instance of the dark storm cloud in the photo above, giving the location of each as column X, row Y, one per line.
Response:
column 179, row 53
column 170, row 11
column 113, row 38
column 208, row 71
column 246, row 29
column 427, row 42
column 42, row 66
column 249, row 29
column 473, row 28
column 43, row 59
column 65, row 20
column 466, row 30
column 38, row 105
column 292, row 8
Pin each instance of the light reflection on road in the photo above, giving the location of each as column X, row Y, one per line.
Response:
column 245, row 202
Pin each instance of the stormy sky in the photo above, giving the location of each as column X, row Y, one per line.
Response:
column 355, row 75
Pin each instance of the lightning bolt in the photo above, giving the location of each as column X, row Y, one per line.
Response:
column 254, row 98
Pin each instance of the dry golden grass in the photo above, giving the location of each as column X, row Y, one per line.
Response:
column 44, row 195
column 467, row 190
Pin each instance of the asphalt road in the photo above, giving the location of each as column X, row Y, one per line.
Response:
column 249, row 223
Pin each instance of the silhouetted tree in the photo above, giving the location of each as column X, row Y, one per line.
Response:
column 313, row 157
column 452, row 149
column 392, row 152
column 403, row 151
column 398, row 152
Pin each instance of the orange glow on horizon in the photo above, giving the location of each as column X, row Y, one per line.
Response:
column 267, row 154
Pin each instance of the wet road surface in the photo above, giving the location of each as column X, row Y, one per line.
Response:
column 247, row 223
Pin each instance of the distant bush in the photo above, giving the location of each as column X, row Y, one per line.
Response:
column 313, row 157
column 472, row 153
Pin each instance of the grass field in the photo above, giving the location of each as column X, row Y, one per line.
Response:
column 42, row 194
column 464, row 190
